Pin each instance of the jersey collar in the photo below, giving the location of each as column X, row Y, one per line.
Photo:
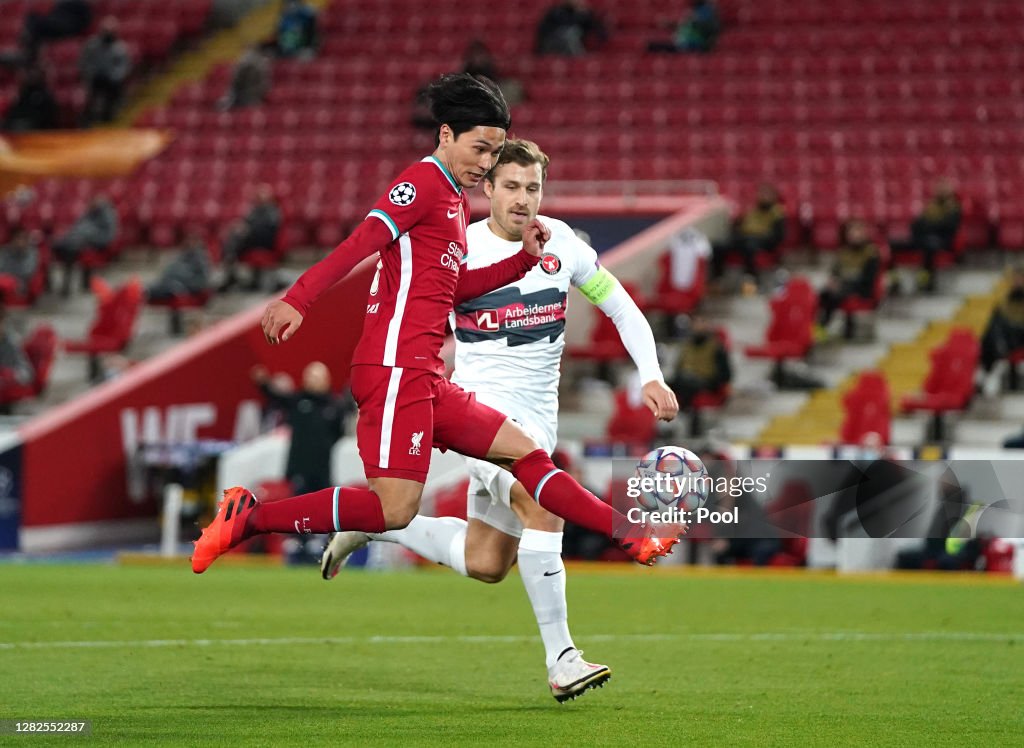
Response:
column 447, row 174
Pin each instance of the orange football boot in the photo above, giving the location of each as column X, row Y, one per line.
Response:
column 648, row 549
column 226, row 530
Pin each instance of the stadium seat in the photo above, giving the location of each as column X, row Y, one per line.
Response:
column 949, row 386
column 176, row 304
column 10, row 293
column 605, row 346
column 790, row 333
column 632, row 423
column 861, row 306
column 111, row 330
column 40, row 349
column 868, row 410
column 671, row 299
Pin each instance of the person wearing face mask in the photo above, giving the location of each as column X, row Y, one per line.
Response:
column 853, row 274
column 1003, row 334
column 104, row 66
column 760, row 229
column 703, row 364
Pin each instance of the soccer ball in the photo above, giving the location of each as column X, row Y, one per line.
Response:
column 685, row 485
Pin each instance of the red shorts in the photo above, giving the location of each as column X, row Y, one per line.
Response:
column 402, row 412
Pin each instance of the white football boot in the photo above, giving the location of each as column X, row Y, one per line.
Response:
column 340, row 545
column 572, row 675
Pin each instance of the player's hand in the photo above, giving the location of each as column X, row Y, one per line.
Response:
column 259, row 374
column 280, row 321
column 661, row 400
column 535, row 236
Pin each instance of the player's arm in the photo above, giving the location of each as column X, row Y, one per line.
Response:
column 394, row 213
column 283, row 317
column 602, row 289
column 474, row 283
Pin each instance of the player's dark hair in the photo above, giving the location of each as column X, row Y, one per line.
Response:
column 463, row 101
column 522, row 152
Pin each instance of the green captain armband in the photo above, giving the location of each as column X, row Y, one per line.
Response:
column 599, row 287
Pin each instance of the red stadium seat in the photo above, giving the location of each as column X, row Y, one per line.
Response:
column 868, row 410
column 40, row 349
column 670, row 299
column 605, row 345
column 949, row 385
column 790, row 333
column 112, row 328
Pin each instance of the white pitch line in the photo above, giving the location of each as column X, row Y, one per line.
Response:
column 823, row 636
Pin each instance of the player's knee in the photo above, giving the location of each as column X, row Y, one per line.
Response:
column 398, row 517
column 487, row 567
column 538, row 518
column 490, row 574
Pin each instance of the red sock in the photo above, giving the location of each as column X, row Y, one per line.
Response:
column 561, row 495
column 356, row 508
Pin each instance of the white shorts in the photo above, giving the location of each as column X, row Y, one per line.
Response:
column 489, row 498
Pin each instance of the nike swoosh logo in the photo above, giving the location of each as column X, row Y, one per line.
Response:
column 552, row 573
column 452, row 215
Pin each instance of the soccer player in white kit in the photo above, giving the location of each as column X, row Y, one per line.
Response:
column 509, row 345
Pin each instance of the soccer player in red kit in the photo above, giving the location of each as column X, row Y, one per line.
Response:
column 405, row 403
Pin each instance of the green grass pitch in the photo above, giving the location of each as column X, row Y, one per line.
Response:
column 276, row 656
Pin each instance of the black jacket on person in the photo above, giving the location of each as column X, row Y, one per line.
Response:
column 317, row 422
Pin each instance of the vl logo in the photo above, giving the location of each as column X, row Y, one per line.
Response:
column 488, row 320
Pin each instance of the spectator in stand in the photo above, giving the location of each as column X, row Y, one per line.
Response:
column 258, row 230
column 296, row 30
column 703, row 364
column 35, row 107
column 479, row 61
column 65, row 19
column 95, row 229
column 187, row 274
column 317, row 421
column 854, row 273
column 760, row 229
column 19, row 262
column 250, row 82
column 1003, row 334
column 698, row 32
column 934, row 230
column 15, row 367
column 105, row 65
column 570, row 29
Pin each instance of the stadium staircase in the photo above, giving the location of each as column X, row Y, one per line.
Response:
column 904, row 366
column 221, row 48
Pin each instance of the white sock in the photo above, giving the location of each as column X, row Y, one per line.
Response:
column 543, row 573
column 438, row 539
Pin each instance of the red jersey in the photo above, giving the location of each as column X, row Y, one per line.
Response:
column 411, row 296
column 421, row 272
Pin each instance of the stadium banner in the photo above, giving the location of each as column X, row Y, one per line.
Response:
column 76, row 457
column 10, row 491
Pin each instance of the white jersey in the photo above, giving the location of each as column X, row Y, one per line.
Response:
column 509, row 342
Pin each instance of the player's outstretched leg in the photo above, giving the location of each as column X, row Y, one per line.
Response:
column 240, row 516
column 438, row 539
column 561, row 495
